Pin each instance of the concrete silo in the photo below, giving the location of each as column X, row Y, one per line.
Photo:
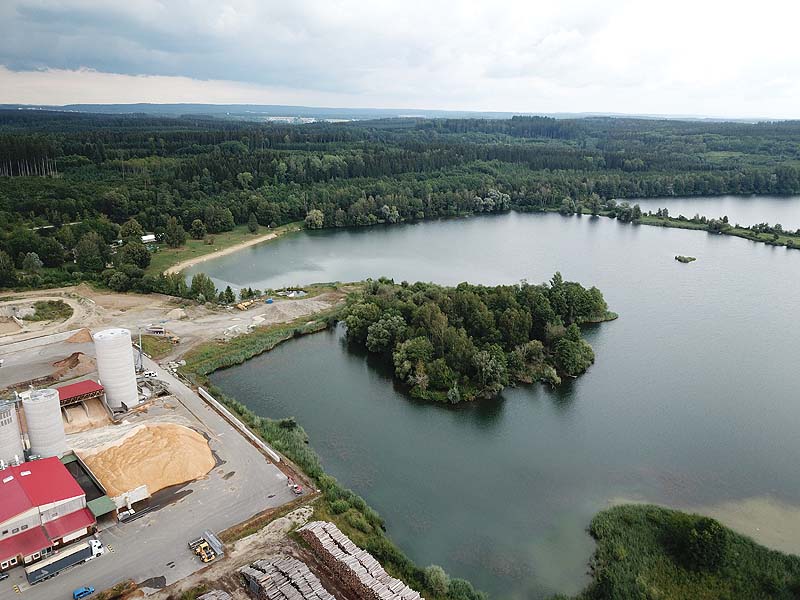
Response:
column 11, row 447
column 115, row 367
column 44, row 424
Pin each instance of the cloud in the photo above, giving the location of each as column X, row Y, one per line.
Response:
column 687, row 57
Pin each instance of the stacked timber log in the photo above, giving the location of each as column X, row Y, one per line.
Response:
column 357, row 568
column 284, row 578
column 215, row 595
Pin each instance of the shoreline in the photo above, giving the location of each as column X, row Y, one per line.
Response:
column 190, row 262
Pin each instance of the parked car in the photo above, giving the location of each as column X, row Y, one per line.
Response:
column 82, row 592
column 3, row 576
column 150, row 374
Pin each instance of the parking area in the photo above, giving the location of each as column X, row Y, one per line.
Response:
column 152, row 550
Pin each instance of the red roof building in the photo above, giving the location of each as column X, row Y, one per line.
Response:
column 78, row 392
column 41, row 507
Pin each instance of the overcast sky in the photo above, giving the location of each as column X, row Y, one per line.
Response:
column 683, row 57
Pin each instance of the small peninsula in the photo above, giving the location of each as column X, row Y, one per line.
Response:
column 471, row 341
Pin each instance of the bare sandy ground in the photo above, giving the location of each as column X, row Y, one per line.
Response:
column 766, row 520
column 224, row 252
column 96, row 310
column 157, row 455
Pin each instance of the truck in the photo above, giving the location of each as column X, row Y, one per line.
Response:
column 63, row 559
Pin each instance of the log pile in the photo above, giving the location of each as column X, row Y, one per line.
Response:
column 284, row 578
column 357, row 568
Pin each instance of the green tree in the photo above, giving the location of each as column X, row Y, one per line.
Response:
column 133, row 252
column 245, row 179
column 88, row 253
column 31, row 263
column 198, row 230
column 315, row 219
column 252, row 223
column 174, row 235
column 384, row 334
column 131, row 230
column 202, row 288
column 436, row 580
column 358, row 318
column 51, row 252
column 228, row 296
column 573, row 355
column 8, row 275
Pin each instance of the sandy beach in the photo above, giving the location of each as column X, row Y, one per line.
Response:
column 224, row 252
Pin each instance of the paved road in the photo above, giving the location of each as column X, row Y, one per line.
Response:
column 154, row 546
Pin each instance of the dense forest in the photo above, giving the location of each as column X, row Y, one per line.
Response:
column 68, row 181
column 467, row 342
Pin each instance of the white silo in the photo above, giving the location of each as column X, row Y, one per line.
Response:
column 44, row 424
column 115, row 367
column 10, row 434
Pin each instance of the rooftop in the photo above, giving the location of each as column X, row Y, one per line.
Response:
column 81, row 388
column 25, row 543
column 35, row 483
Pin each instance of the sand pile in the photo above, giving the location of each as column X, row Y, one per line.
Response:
column 154, row 455
column 177, row 313
column 75, row 365
column 80, row 337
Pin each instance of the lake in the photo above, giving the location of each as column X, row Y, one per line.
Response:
column 692, row 401
column 745, row 210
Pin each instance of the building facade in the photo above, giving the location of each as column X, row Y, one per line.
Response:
column 42, row 507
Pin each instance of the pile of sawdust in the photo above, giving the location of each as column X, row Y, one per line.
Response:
column 85, row 415
column 158, row 455
column 75, row 365
column 80, row 337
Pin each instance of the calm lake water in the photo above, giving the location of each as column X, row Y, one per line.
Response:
column 745, row 210
column 693, row 400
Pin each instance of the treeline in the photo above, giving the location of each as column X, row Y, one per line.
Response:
column 65, row 175
column 468, row 342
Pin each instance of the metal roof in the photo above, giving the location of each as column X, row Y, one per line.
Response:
column 42, row 481
column 26, row 543
column 80, row 519
column 73, row 390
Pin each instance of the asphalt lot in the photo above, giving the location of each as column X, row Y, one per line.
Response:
column 153, row 549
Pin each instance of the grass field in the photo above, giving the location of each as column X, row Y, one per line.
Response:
column 50, row 310
column 157, row 346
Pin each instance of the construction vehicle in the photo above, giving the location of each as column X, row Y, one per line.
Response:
column 202, row 549
column 207, row 547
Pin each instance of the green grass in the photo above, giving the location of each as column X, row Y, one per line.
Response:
column 653, row 553
column 157, row 346
column 166, row 257
column 209, row 357
column 50, row 310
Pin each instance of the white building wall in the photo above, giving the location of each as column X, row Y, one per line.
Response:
column 51, row 512
column 20, row 523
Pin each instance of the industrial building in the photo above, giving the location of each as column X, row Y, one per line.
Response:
column 116, row 369
column 42, row 507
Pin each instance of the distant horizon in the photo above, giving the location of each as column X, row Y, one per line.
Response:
column 381, row 112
